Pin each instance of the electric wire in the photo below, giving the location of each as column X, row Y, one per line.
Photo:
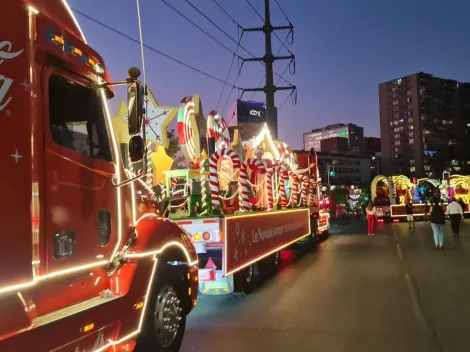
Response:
column 228, row 36
column 226, row 13
column 285, row 100
column 280, row 8
column 198, row 27
column 155, row 50
column 226, row 79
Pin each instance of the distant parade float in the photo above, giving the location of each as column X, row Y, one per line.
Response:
column 390, row 193
column 240, row 201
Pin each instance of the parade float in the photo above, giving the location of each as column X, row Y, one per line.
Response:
column 240, row 201
column 390, row 194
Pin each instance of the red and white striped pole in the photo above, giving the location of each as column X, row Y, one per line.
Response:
column 243, row 184
column 303, row 198
column 294, row 188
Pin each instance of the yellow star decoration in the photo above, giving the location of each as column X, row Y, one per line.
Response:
column 160, row 160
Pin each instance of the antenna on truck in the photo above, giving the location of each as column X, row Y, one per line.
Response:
column 141, row 45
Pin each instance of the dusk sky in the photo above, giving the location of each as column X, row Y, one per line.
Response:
column 343, row 48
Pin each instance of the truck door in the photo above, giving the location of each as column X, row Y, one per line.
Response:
column 80, row 220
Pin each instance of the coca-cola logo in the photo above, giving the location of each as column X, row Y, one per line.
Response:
column 6, row 53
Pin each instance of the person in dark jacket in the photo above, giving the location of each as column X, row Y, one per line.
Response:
column 409, row 214
column 438, row 221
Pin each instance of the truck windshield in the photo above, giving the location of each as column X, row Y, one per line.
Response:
column 77, row 118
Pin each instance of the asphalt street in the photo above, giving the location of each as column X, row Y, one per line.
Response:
column 391, row 292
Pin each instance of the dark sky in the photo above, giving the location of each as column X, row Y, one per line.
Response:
column 344, row 49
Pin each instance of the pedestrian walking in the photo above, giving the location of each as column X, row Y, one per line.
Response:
column 371, row 219
column 409, row 215
column 455, row 212
column 438, row 221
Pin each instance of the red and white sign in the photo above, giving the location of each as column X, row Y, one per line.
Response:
column 250, row 237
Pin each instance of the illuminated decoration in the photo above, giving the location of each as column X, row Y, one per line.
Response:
column 264, row 255
column 264, row 140
column 283, row 177
column 294, row 187
column 391, row 189
column 286, row 157
column 304, row 187
column 213, row 175
column 157, row 120
column 69, row 10
column 217, row 129
column 188, row 132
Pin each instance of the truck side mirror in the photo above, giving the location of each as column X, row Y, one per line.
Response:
column 136, row 149
column 135, row 102
column 135, row 107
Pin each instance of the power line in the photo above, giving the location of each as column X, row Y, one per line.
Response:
column 228, row 36
column 280, row 8
column 155, row 50
column 228, row 15
column 226, row 78
column 198, row 27
column 285, row 100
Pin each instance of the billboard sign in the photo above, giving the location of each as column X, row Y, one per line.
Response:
column 251, row 112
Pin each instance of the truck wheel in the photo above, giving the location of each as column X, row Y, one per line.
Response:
column 165, row 320
column 270, row 265
column 246, row 279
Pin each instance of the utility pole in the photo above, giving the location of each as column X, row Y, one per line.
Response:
column 269, row 89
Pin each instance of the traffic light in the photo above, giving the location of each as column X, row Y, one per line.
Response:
column 332, row 172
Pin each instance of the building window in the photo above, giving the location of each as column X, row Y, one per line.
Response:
column 396, row 136
column 397, row 142
column 391, row 123
column 427, row 167
column 395, row 102
column 411, row 141
column 410, row 127
column 412, row 161
column 410, row 121
column 410, row 134
column 410, row 113
column 399, row 81
column 408, row 100
column 412, row 169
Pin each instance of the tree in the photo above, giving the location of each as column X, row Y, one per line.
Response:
column 173, row 144
column 340, row 195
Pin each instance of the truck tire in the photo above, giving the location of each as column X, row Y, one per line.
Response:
column 270, row 265
column 246, row 279
column 165, row 320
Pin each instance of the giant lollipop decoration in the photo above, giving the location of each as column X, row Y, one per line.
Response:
column 188, row 132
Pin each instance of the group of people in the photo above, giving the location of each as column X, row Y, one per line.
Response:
column 434, row 213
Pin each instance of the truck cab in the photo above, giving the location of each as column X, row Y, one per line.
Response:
column 86, row 264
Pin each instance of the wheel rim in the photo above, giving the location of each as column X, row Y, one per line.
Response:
column 249, row 274
column 167, row 316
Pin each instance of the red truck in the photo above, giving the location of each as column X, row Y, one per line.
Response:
column 86, row 264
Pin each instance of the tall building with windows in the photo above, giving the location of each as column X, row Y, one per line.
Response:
column 352, row 132
column 424, row 125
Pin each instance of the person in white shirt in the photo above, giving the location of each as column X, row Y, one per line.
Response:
column 455, row 212
column 371, row 218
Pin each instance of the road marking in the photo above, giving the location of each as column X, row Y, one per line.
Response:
column 400, row 252
column 412, row 289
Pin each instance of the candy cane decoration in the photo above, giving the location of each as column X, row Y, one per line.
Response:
column 214, row 181
column 217, row 129
column 303, row 197
column 269, row 189
column 312, row 193
column 202, row 173
column 294, row 187
column 188, row 132
column 243, row 184
column 283, row 176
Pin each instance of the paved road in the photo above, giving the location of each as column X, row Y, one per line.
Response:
column 392, row 292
